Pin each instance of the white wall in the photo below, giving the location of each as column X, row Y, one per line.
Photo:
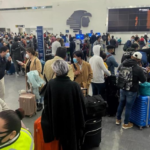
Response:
column 57, row 16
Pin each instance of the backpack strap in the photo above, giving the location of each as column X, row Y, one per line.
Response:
column 35, row 62
column 74, row 66
column 109, row 55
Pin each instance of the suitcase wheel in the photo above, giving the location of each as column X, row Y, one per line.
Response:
column 141, row 128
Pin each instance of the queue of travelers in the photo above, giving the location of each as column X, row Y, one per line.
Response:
column 63, row 115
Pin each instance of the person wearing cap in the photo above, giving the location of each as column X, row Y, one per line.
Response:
column 129, row 52
column 111, row 62
column 55, row 45
column 128, row 96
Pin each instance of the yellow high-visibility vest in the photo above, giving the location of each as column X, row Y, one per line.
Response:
column 24, row 142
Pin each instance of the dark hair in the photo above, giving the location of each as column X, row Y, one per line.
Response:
column 98, row 37
column 136, row 38
column 104, row 55
column 12, row 120
column 61, row 52
column 78, row 54
column 112, row 37
column 3, row 49
column 134, row 46
column 20, row 112
column 1, row 40
column 16, row 39
column 31, row 50
column 19, row 39
column 22, row 37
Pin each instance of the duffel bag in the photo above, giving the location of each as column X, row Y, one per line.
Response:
column 145, row 89
column 95, row 106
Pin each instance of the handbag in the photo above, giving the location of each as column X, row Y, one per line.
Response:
column 95, row 106
column 145, row 89
column 43, row 90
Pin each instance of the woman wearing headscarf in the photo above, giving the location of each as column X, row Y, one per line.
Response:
column 63, row 114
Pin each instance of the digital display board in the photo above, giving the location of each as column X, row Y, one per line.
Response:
column 80, row 36
column 129, row 19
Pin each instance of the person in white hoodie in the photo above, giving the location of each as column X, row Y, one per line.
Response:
column 99, row 69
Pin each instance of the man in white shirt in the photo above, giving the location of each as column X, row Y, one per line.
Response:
column 55, row 45
column 99, row 69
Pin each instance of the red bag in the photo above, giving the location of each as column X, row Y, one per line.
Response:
column 39, row 141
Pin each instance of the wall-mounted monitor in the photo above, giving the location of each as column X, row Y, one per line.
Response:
column 129, row 19
column 89, row 34
column 80, row 36
column 98, row 33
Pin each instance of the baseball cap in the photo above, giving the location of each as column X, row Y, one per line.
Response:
column 137, row 55
column 58, row 37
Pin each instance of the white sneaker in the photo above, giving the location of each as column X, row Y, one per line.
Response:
column 17, row 75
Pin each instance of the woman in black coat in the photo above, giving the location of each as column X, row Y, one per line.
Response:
column 63, row 114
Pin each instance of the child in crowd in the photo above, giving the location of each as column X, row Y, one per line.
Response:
column 104, row 56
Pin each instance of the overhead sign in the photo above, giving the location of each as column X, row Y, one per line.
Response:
column 20, row 26
column 40, row 39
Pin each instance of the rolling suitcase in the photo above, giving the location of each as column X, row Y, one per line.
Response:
column 112, row 95
column 11, row 69
column 39, row 141
column 92, row 134
column 27, row 101
column 140, row 114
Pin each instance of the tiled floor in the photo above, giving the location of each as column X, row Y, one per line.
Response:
column 113, row 137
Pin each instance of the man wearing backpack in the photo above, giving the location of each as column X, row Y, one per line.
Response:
column 16, row 55
column 129, row 75
column 129, row 52
column 128, row 43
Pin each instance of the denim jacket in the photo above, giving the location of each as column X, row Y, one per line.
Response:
column 111, row 62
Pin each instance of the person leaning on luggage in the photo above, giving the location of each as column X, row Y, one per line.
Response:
column 64, row 110
column 12, row 136
column 33, row 63
column 60, row 55
column 82, row 70
column 128, row 96
column 4, row 65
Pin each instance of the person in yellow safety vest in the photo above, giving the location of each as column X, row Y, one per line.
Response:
column 12, row 136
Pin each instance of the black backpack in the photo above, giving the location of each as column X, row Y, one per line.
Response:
column 126, row 56
column 95, row 106
column 125, row 78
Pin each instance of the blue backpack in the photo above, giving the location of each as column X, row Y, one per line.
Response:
column 127, row 45
column 144, row 59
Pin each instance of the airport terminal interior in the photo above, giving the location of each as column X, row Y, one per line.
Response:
column 87, row 63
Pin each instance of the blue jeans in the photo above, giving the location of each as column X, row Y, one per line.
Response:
column 127, row 99
column 98, row 88
column 40, row 100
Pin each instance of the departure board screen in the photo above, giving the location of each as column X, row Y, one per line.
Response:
column 129, row 19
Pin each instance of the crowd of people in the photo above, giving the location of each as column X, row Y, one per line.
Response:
column 63, row 116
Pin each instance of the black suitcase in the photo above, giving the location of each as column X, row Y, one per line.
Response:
column 112, row 95
column 92, row 134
